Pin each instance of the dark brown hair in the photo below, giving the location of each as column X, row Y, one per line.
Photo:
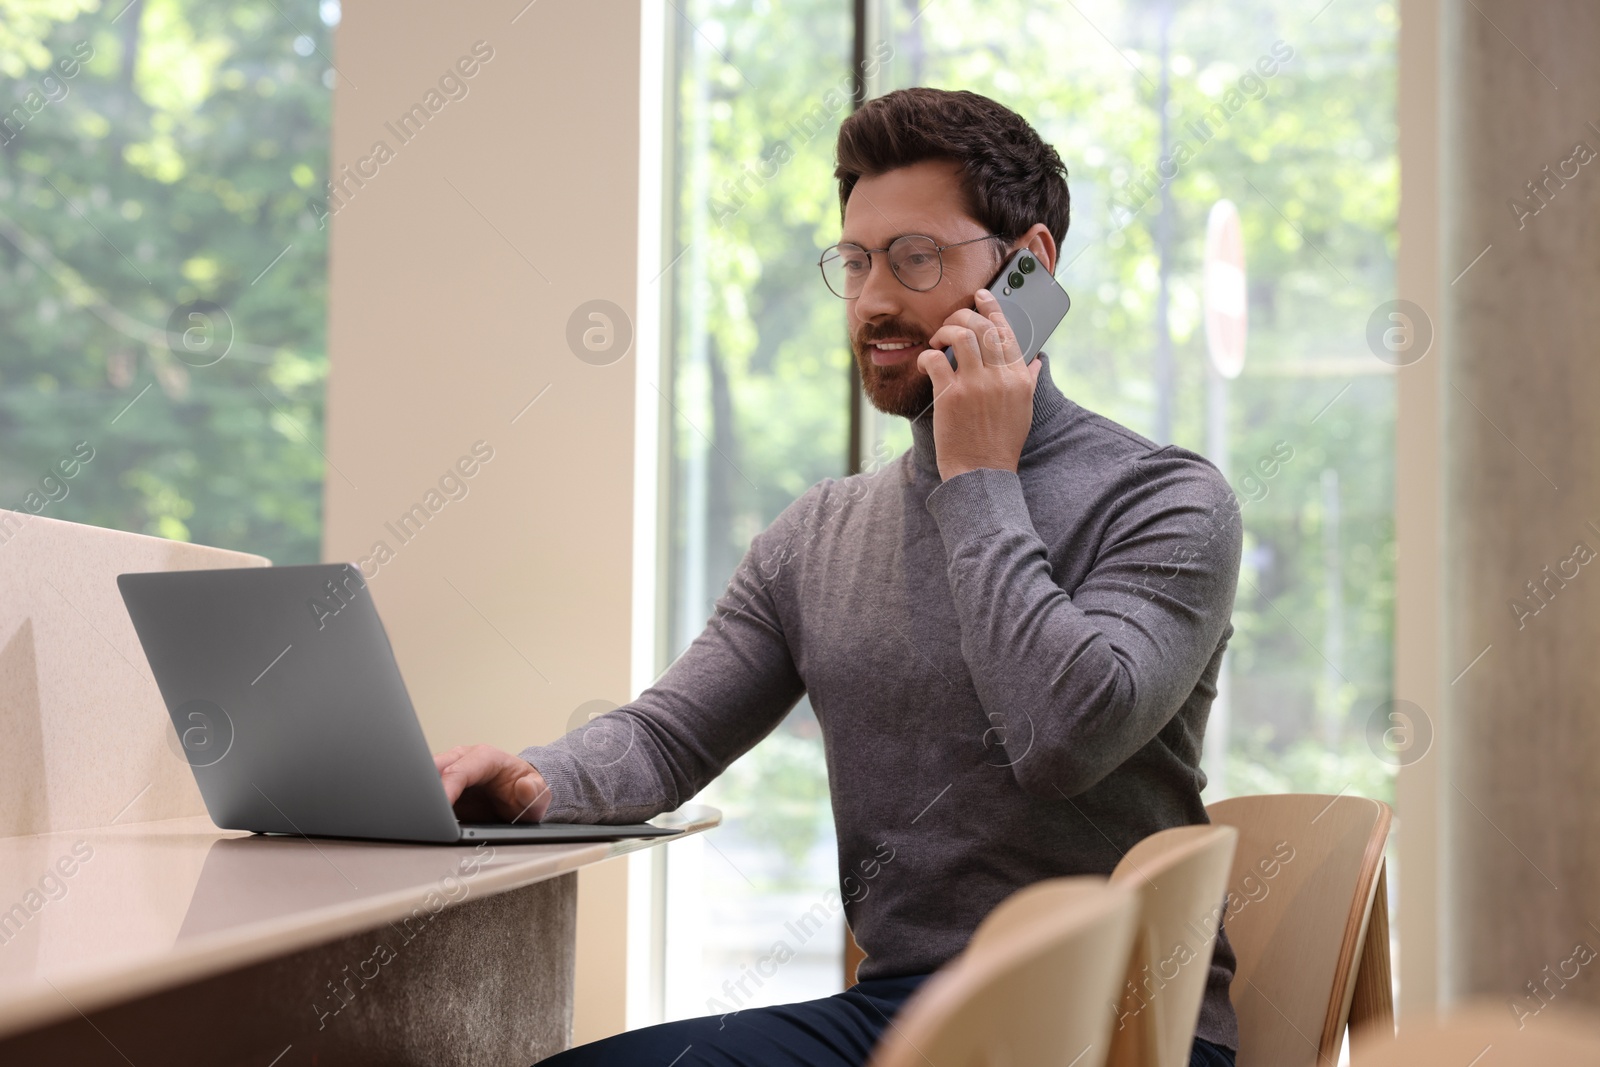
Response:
column 1013, row 179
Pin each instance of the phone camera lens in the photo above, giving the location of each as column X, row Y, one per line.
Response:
column 1016, row 280
column 1026, row 265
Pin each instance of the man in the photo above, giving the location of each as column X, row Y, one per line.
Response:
column 1010, row 635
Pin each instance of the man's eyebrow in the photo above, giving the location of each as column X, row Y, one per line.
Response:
column 907, row 233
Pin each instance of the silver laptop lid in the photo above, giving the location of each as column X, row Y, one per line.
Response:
column 288, row 702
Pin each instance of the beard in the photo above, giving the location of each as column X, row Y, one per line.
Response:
column 899, row 389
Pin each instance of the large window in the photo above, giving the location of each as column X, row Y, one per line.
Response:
column 1160, row 109
column 163, row 267
column 760, row 412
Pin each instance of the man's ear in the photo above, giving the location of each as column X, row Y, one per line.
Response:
column 1039, row 241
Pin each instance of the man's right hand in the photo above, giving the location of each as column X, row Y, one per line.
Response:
column 485, row 784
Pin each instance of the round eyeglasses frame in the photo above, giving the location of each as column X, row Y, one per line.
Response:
column 939, row 249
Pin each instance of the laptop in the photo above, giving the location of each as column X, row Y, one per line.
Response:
column 289, row 707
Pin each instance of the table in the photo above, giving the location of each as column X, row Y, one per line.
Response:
column 175, row 942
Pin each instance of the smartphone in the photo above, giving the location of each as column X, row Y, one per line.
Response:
column 1033, row 303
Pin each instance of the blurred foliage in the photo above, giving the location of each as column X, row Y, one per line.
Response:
column 775, row 796
column 1308, row 765
column 1308, row 155
column 173, row 165
column 760, row 357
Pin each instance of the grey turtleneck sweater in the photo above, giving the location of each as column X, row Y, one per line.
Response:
column 1012, row 673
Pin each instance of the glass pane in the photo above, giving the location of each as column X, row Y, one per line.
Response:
column 760, row 403
column 1288, row 111
column 163, row 267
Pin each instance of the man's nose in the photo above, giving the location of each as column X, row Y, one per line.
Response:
column 881, row 293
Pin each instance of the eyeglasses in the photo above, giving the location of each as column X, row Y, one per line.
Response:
column 916, row 260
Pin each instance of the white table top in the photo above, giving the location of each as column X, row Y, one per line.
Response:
column 90, row 918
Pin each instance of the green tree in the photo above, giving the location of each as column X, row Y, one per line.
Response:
column 172, row 166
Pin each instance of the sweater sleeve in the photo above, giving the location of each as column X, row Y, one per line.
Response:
column 1077, row 683
column 729, row 689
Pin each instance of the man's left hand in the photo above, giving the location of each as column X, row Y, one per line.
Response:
column 982, row 411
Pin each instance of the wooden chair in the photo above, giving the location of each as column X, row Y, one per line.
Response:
column 1034, row 986
column 1484, row 1034
column 1308, row 920
column 1181, row 877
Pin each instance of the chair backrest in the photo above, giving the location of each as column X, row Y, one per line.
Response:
column 1181, row 878
column 86, row 734
column 1034, row 986
column 1484, row 1034
column 1306, row 873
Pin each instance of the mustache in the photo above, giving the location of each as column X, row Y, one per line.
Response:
column 884, row 331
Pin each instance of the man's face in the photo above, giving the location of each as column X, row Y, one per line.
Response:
column 889, row 323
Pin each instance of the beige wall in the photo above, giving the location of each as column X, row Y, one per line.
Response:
column 455, row 267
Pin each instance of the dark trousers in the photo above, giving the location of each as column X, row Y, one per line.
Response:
column 836, row 1031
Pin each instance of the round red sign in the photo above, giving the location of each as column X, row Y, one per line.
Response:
column 1226, row 301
